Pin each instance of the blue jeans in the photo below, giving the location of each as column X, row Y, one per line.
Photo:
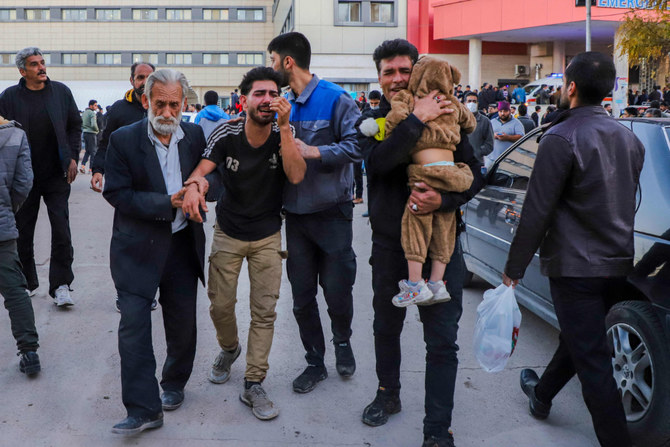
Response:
column 320, row 252
column 440, row 330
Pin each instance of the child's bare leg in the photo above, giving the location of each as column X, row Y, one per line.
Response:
column 414, row 268
column 437, row 270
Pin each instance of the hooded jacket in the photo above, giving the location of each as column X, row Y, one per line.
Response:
column 122, row 113
column 16, row 176
column 210, row 117
column 444, row 132
column 63, row 112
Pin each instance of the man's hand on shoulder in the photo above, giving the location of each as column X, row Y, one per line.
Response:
column 431, row 106
column 308, row 152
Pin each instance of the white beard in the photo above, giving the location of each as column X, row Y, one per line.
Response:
column 161, row 127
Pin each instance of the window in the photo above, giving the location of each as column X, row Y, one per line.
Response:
column 74, row 58
column 108, row 14
column 249, row 59
column 47, row 58
column 7, row 14
column 250, row 15
column 38, row 14
column 73, row 14
column 178, row 14
column 145, row 14
column 381, row 12
column 215, row 58
column 179, row 58
column 152, row 58
column 349, row 12
column 108, row 58
column 514, row 170
column 215, row 14
column 7, row 58
column 287, row 27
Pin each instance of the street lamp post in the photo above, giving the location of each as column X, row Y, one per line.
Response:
column 588, row 25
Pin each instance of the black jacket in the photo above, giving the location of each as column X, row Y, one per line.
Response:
column 63, row 112
column 580, row 204
column 386, row 166
column 123, row 112
column 143, row 214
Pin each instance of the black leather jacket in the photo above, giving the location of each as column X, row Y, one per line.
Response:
column 580, row 204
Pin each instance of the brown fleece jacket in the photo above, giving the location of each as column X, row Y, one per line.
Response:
column 443, row 132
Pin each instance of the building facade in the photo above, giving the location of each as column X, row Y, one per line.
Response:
column 508, row 41
column 343, row 35
column 212, row 42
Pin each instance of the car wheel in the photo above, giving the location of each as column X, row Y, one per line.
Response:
column 641, row 364
column 467, row 279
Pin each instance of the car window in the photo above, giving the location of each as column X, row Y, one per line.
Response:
column 514, row 170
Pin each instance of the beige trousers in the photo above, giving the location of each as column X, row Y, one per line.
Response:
column 265, row 269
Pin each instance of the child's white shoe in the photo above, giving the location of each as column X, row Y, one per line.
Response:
column 440, row 293
column 412, row 295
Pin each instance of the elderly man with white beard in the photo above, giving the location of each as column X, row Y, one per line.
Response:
column 155, row 247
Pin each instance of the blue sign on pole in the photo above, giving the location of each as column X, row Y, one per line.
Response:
column 625, row 4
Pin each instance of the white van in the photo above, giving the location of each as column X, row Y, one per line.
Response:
column 553, row 80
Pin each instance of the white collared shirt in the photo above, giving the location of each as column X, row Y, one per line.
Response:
column 168, row 158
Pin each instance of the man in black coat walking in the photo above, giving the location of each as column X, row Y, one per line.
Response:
column 580, row 210
column 48, row 113
column 155, row 247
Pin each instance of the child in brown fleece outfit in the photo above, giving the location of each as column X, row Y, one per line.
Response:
column 432, row 164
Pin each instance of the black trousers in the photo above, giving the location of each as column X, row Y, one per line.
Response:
column 581, row 305
column 178, row 290
column 440, row 330
column 56, row 192
column 17, row 301
column 319, row 247
column 91, row 147
column 358, row 180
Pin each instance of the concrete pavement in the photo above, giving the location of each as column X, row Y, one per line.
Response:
column 76, row 398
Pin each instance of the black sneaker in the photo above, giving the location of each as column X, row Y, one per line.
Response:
column 29, row 363
column 386, row 403
column 309, row 378
column 528, row 380
column 344, row 359
column 133, row 425
column 434, row 441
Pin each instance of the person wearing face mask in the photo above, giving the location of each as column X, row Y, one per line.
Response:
column 481, row 139
column 506, row 130
column 374, row 98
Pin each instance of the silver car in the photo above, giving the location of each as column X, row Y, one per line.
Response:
column 638, row 326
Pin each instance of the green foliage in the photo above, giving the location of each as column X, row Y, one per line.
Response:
column 646, row 37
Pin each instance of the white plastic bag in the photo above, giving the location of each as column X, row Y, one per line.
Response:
column 497, row 328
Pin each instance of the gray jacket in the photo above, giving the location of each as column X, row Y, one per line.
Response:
column 16, row 176
column 580, row 204
column 481, row 139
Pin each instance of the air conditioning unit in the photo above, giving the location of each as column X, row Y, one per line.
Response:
column 521, row 70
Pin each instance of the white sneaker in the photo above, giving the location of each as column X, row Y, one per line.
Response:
column 412, row 295
column 63, row 297
column 31, row 293
column 440, row 294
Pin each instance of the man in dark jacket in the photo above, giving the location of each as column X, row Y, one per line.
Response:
column 123, row 112
column 155, row 247
column 386, row 162
column 49, row 115
column 16, row 179
column 528, row 124
column 579, row 210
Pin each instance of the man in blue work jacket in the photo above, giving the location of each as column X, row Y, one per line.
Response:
column 319, row 210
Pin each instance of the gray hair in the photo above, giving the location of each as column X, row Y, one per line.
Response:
column 166, row 76
column 24, row 54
